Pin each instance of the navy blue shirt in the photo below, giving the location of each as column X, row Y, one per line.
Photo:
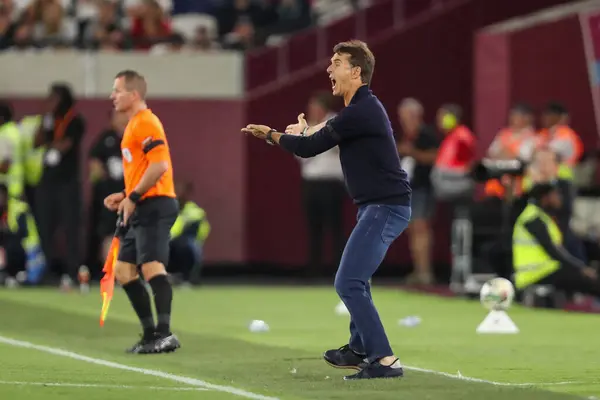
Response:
column 368, row 153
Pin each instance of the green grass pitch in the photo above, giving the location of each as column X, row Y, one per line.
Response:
column 51, row 347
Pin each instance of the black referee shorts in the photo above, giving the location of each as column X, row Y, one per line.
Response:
column 149, row 233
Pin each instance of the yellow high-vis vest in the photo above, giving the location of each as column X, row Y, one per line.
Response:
column 33, row 157
column 14, row 177
column 191, row 213
column 530, row 261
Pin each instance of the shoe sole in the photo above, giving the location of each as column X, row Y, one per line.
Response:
column 378, row 377
column 169, row 350
column 353, row 367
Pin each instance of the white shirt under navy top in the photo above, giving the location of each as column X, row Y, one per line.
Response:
column 368, row 153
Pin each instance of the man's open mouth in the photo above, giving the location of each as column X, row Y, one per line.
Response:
column 333, row 83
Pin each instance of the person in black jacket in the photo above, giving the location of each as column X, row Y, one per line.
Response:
column 58, row 196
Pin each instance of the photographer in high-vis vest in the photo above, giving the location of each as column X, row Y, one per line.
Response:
column 19, row 240
column 11, row 155
column 188, row 234
column 538, row 253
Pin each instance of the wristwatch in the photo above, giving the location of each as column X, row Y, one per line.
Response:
column 270, row 137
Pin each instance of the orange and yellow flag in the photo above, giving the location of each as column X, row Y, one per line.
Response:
column 107, row 283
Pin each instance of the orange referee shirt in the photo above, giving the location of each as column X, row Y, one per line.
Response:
column 144, row 141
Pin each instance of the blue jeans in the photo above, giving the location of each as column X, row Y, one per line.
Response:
column 377, row 227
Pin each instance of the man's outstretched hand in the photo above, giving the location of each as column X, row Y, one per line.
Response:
column 298, row 128
column 259, row 131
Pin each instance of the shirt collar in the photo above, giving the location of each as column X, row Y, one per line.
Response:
column 360, row 94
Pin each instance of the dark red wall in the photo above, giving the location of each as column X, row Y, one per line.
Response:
column 207, row 149
column 556, row 70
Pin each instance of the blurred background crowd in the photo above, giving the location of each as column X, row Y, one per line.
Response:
column 469, row 184
column 160, row 25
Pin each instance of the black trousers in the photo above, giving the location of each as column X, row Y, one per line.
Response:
column 15, row 257
column 60, row 205
column 573, row 280
column 185, row 258
column 323, row 203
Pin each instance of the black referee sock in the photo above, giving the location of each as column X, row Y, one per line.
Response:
column 140, row 300
column 163, row 296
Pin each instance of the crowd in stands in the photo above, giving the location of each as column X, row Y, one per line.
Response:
column 160, row 25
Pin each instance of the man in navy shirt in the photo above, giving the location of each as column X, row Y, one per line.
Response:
column 378, row 186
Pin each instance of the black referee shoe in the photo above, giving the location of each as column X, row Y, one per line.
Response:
column 166, row 343
column 344, row 358
column 143, row 346
column 375, row 370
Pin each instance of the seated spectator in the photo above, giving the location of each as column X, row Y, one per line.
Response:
column 174, row 44
column 150, row 26
column 105, row 32
column 242, row 37
column 193, row 6
column 509, row 144
column 7, row 27
column 188, row 234
column 292, row 16
column 135, row 8
column 538, row 253
column 48, row 24
column 202, row 40
column 559, row 136
column 232, row 12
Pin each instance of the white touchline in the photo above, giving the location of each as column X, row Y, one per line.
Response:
column 101, row 386
column 152, row 372
column 460, row 376
column 232, row 390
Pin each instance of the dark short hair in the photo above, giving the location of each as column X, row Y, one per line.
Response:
column 454, row 109
column 522, row 108
column 66, row 99
column 134, row 81
column 360, row 56
column 555, row 107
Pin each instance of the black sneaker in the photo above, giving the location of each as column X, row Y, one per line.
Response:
column 166, row 343
column 144, row 346
column 344, row 358
column 375, row 370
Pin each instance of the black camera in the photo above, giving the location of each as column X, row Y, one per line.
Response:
column 494, row 169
